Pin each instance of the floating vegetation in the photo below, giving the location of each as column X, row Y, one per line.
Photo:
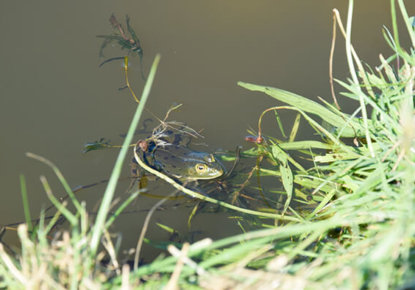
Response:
column 126, row 40
column 102, row 143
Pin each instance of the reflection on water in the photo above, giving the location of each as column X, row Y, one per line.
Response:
column 55, row 98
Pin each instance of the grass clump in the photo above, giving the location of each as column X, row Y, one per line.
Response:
column 359, row 233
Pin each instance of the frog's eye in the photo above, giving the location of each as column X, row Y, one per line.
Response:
column 201, row 168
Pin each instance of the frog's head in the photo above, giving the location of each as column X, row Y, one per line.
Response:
column 185, row 164
column 204, row 167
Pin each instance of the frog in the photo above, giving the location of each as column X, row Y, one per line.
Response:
column 175, row 159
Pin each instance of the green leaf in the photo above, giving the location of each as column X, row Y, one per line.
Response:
column 166, row 228
column 287, row 182
column 295, row 127
column 278, row 154
column 286, row 173
column 278, row 119
column 26, row 207
column 349, row 127
column 331, row 157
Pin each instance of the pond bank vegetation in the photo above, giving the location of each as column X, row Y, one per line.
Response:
column 359, row 232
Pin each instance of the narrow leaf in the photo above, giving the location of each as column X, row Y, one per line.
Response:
column 287, row 182
column 294, row 130
column 286, row 173
column 25, row 199
column 277, row 117
column 349, row 127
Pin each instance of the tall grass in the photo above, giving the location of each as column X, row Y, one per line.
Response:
column 360, row 234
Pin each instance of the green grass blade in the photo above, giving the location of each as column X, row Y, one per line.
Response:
column 60, row 207
column 166, row 228
column 121, row 208
column 295, row 127
column 61, row 178
column 112, row 183
column 286, row 174
column 407, row 22
column 322, row 204
column 280, row 126
column 288, row 183
column 309, row 144
column 350, row 130
column 26, row 207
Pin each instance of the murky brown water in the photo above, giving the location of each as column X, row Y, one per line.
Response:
column 54, row 98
